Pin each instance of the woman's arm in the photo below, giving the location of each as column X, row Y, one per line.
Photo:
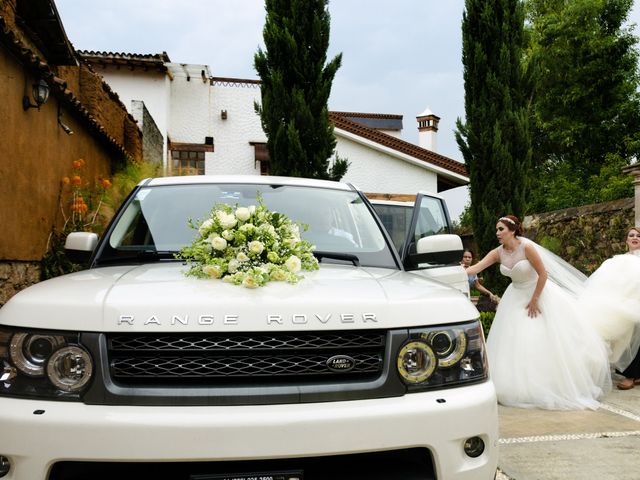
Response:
column 482, row 289
column 488, row 260
column 536, row 262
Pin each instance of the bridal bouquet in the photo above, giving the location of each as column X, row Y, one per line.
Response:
column 248, row 246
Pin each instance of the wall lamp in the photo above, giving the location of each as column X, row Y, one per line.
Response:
column 40, row 92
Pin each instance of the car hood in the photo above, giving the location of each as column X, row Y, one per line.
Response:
column 159, row 297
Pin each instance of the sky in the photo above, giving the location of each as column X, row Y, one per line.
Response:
column 397, row 57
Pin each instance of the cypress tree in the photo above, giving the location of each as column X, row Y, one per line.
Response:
column 495, row 139
column 296, row 84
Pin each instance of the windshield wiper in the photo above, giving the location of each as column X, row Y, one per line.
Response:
column 156, row 254
column 347, row 257
column 120, row 256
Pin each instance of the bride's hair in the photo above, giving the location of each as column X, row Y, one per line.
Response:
column 512, row 223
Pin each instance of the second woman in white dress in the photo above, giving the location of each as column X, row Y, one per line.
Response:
column 542, row 352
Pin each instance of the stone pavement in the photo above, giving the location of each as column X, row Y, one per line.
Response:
column 573, row 445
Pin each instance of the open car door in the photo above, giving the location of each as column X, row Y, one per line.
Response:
column 431, row 249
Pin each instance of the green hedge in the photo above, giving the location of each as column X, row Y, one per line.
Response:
column 486, row 318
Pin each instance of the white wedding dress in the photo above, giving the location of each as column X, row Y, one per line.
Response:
column 555, row 360
column 611, row 302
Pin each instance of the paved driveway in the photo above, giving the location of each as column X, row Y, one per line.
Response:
column 554, row 445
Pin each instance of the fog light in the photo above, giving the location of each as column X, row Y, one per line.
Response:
column 416, row 362
column 5, row 466
column 70, row 368
column 474, row 447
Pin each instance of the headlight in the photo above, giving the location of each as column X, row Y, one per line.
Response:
column 443, row 356
column 29, row 352
column 42, row 364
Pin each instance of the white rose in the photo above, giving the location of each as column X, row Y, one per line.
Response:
column 242, row 257
column 243, row 214
column 268, row 229
column 218, row 243
column 252, row 209
column 249, row 282
column 278, row 275
column 212, row 270
column 205, row 225
column 256, row 247
column 227, row 220
column 233, row 265
column 227, row 235
column 295, row 231
column 293, row 264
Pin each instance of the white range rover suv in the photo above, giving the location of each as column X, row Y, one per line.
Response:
column 130, row 369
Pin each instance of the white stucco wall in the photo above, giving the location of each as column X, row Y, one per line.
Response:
column 233, row 152
column 150, row 87
column 380, row 170
column 190, row 120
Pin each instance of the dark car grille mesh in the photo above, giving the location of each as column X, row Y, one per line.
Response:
column 210, row 359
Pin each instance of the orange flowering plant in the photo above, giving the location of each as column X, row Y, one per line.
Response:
column 81, row 204
column 81, row 201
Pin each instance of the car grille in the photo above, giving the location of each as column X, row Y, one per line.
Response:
column 212, row 359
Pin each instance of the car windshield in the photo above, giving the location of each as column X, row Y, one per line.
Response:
column 155, row 220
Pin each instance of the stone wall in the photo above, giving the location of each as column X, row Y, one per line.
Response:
column 152, row 139
column 584, row 236
column 14, row 276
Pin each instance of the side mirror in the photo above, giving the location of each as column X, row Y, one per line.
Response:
column 437, row 250
column 80, row 245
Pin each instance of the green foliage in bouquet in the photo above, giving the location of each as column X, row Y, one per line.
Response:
column 248, row 246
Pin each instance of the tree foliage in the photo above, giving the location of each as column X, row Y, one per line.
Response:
column 583, row 64
column 296, row 84
column 495, row 137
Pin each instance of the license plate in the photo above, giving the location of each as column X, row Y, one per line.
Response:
column 288, row 475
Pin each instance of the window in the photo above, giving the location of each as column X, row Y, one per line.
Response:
column 187, row 162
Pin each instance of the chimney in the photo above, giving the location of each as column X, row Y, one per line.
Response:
column 428, row 130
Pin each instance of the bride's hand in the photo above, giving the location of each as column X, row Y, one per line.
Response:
column 532, row 308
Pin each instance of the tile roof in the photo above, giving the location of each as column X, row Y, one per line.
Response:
column 57, row 85
column 152, row 60
column 397, row 144
column 234, row 82
column 367, row 115
column 41, row 21
column 377, row 121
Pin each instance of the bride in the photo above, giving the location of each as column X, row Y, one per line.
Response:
column 542, row 352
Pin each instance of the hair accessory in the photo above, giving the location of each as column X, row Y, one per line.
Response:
column 507, row 219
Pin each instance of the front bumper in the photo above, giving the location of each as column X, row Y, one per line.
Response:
column 35, row 434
